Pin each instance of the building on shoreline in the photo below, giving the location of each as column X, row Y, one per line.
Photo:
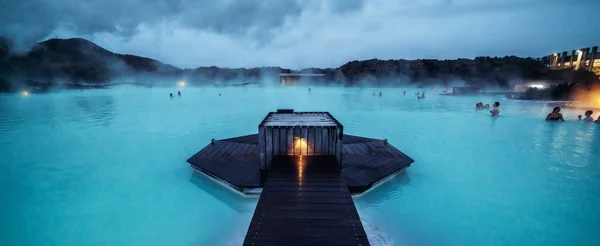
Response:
column 586, row 59
column 294, row 78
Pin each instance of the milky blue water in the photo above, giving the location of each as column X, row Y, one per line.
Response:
column 108, row 167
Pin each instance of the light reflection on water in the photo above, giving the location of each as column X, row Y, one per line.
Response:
column 108, row 167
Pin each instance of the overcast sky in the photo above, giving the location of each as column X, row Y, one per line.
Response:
column 308, row 33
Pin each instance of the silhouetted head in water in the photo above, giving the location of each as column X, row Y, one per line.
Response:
column 380, row 94
column 555, row 110
column 219, row 94
column 588, row 116
column 171, row 94
column 179, row 93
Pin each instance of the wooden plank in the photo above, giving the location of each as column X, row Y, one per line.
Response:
column 332, row 142
column 275, row 140
column 304, row 240
column 340, row 231
column 301, row 222
column 313, row 200
column 311, row 140
column 220, row 149
column 304, row 136
column 290, row 140
column 244, row 149
column 318, row 140
column 348, row 149
column 268, row 146
column 339, row 146
column 262, row 147
column 363, row 149
column 325, row 143
column 352, row 148
column 207, row 149
column 253, row 149
column 297, row 134
column 229, row 150
column 212, row 148
column 306, row 184
column 305, row 206
column 306, row 188
column 283, row 149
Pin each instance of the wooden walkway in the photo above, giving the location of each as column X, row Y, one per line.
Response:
column 235, row 161
column 305, row 202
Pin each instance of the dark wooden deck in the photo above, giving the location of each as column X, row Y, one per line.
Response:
column 366, row 162
column 234, row 161
column 305, row 202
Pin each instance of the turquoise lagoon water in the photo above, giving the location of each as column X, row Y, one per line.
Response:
column 107, row 167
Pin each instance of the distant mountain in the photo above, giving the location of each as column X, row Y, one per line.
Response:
column 79, row 61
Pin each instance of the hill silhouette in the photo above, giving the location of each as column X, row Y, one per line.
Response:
column 79, row 61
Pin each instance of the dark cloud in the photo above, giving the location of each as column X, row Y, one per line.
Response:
column 31, row 20
column 303, row 33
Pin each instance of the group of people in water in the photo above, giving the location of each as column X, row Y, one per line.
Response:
column 557, row 116
column 419, row 95
column 178, row 94
column 495, row 109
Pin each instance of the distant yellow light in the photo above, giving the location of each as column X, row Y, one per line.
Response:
column 181, row 83
column 25, row 93
column 556, row 54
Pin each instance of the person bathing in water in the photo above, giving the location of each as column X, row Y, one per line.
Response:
column 555, row 115
column 479, row 105
column 588, row 116
column 495, row 110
